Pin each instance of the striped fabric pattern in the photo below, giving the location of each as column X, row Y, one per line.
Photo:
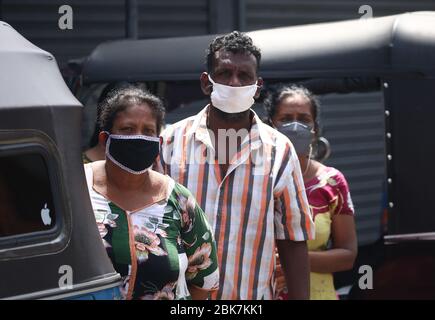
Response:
column 261, row 198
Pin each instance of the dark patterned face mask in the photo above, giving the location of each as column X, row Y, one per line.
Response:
column 299, row 134
column 132, row 153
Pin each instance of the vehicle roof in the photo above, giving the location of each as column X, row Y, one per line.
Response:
column 29, row 75
column 393, row 44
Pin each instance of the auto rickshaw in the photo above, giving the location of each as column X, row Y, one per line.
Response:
column 376, row 82
column 50, row 247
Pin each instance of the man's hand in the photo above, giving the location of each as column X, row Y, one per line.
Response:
column 198, row 293
column 295, row 265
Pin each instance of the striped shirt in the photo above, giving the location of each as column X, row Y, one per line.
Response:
column 260, row 198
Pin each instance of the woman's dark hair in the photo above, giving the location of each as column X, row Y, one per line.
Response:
column 278, row 94
column 123, row 98
column 105, row 94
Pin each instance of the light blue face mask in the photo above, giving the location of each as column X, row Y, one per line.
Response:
column 299, row 134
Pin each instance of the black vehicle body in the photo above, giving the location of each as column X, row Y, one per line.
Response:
column 392, row 59
column 40, row 123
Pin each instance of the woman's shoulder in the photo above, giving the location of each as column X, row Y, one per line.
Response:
column 328, row 178
column 336, row 175
column 89, row 173
column 85, row 158
column 341, row 187
column 327, row 172
column 174, row 188
column 93, row 168
column 181, row 190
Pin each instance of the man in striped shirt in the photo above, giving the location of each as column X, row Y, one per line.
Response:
column 245, row 176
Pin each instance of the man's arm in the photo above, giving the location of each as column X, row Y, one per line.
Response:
column 294, row 225
column 296, row 268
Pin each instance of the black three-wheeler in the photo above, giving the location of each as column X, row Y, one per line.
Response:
column 50, row 247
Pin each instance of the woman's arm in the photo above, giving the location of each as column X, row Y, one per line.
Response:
column 344, row 249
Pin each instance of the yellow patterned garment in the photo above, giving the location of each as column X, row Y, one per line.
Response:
column 328, row 195
column 321, row 284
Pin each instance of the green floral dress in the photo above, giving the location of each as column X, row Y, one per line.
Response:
column 159, row 249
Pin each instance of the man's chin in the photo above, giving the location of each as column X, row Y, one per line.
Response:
column 232, row 117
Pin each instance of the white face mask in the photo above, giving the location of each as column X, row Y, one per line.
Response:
column 232, row 99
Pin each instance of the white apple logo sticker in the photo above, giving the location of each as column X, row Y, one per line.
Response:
column 45, row 215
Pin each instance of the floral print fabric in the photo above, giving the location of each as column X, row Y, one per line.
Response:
column 328, row 195
column 161, row 249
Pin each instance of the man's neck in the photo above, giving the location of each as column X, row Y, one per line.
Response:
column 226, row 143
column 219, row 120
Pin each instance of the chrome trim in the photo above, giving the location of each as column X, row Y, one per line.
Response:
column 78, row 289
column 425, row 236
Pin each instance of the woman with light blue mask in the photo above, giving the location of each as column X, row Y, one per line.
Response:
column 294, row 112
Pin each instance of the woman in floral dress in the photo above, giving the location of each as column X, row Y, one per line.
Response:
column 293, row 111
column 154, row 231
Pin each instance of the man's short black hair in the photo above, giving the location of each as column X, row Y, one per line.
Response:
column 235, row 42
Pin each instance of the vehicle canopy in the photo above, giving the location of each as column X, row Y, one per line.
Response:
column 40, row 123
column 396, row 44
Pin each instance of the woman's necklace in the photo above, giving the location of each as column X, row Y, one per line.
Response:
column 308, row 167
column 309, row 162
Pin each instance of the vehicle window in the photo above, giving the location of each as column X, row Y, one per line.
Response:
column 26, row 202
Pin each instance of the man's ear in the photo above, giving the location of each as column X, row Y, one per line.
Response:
column 206, row 86
column 102, row 138
column 260, row 83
